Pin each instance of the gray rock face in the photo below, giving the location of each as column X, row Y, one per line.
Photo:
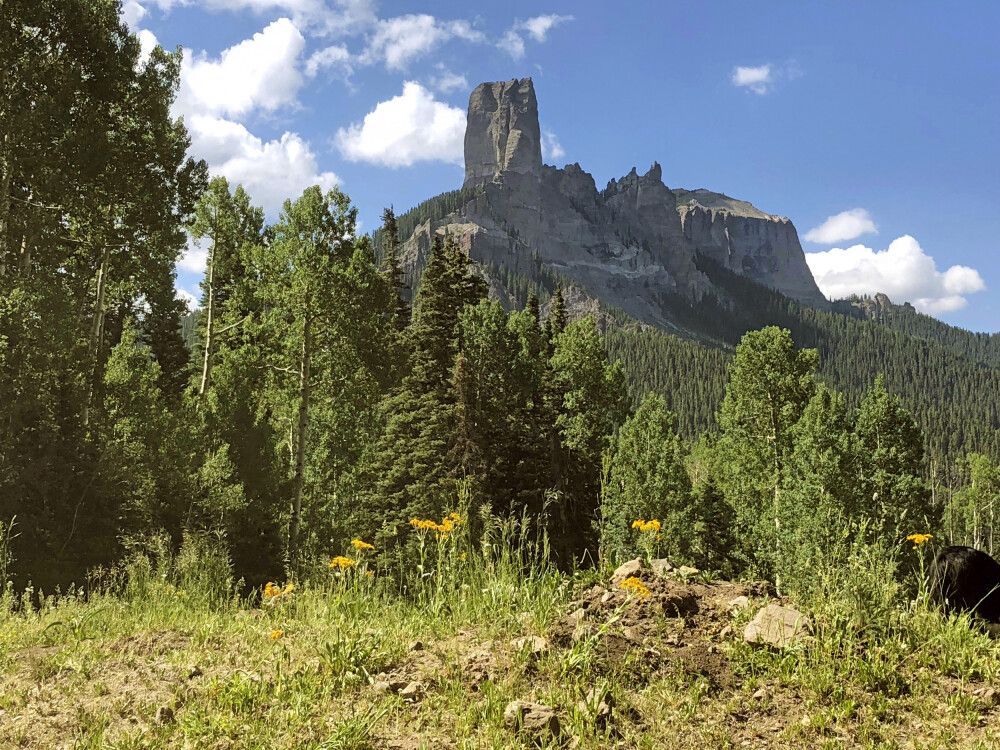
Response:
column 632, row 245
column 748, row 241
column 502, row 135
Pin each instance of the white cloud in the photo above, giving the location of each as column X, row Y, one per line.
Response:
column 132, row 13
column 538, row 27
column 551, row 148
column 512, row 44
column 847, row 225
column 334, row 56
column 399, row 41
column 195, row 257
column 406, row 129
column 334, row 17
column 903, row 271
column 260, row 72
column 758, row 79
column 147, row 43
column 447, row 82
column 192, row 302
column 271, row 171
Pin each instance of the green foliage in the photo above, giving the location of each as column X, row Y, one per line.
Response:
column 645, row 478
column 770, row 383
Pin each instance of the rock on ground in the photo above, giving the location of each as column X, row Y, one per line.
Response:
column 778, row 626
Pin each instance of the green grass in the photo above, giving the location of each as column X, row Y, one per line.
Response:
column 148, row 663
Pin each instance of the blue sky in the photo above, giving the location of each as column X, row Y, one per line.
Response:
column 872, row 125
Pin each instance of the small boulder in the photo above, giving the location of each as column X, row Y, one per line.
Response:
column 536, row 719
column 737, row 604
column 661, row 566
column 534, row 645
column 777, row 626
column 599, row 704
column 687, row 572
column 627, row 570
column 412, row 692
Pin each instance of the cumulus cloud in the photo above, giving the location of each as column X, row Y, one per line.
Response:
column 334, row 56
column 132, row 13
column 400, row 40
column 538, row 27
column 195, row 257
column 260, row 72
column 758, row 79
column 408, row 128
column 271, row 170
column 842, row 227
column 192, row 302
column 551, row 148
column 903, row 271
column 447, row 82
column 334, row 17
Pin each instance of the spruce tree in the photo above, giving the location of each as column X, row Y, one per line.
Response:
column 770, row 383
column 645, row 478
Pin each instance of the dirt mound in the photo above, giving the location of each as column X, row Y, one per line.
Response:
column 668, row 622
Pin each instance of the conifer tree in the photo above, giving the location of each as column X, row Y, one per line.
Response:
column 645, row 478
column 412, row 470
column 770, row 383
column 589, row 400
column 392, row 269
column 892, row 454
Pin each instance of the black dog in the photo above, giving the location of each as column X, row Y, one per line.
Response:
column 966, row 580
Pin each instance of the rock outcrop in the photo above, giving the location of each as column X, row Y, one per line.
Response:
column 502, row 135
column 632, row 245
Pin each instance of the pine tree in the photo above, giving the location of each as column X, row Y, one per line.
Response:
column 770, row 383
column 892, row 457
column 412, row 470
column 646, row 479
column 589, row 400
column 392, row 269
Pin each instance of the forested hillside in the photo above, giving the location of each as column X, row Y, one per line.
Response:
column 324, row 396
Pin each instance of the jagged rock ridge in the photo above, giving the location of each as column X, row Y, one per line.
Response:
column 632, row 245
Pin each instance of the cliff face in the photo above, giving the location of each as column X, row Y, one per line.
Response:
column 632, row 245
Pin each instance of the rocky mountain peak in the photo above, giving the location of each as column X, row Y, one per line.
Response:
column 502, row 133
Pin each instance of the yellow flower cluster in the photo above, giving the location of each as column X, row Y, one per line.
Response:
column 361, row 546
column 273, row 591
column 447, row 525
column 644, row 526
column 340, row 563
column 635, row 587
column 277, row 633
column 919, row 539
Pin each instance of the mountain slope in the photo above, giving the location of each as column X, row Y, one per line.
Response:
column 676, row 276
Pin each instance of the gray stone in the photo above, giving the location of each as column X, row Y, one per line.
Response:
column 627, row 570
column 535, row 646
column 502, row 133
column 535, row 719
column 599, row 704
column 778, row 626
column 687, row 571
column 738, row 604
column 413, row 691
column 660, row 566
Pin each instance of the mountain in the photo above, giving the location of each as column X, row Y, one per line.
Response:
column 631, row 246
column 676, row 276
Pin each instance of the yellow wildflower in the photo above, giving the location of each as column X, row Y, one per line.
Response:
column 644, row 526
column 635, row 587
column 277, row 633
column 919, row 539
column 423, row 524
column 340, row 562
column 361, row 546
